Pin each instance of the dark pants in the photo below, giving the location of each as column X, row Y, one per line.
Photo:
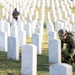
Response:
column 15, row 17
column 68, row 48
column 71, row 51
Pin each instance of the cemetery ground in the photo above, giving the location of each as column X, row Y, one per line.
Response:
column 13, row 67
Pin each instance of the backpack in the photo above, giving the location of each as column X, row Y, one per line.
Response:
column 71, row 33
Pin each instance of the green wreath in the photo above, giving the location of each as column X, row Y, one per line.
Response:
column 65, row 57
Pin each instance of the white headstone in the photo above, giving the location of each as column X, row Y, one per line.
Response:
column 29, row 17
column 59, row 15
column 13, row 48
column 2, row 25
column 50, row 26
column 37, row 41
column 10, row 18
column 72, row 18
column 40, row 23
column 29, row 60
column 60, row 69
column 14, row 30
column 20, row 25
column 47, row 3
column 3, row 11
column 3, row 41
column 48, row 16
column 54, row 18
column 51, row 35
column 73, row 28
column 22, row 38
column 54, row 46
column 7, row 28
column 59, row 25
column 28, row 30
column 38, row 30
column 38, row 4
column 6, row 15
column 36, row 14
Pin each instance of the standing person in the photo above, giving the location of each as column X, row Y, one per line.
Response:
column 15, row 14
column 69, row 39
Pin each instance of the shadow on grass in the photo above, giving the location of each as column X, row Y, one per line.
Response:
column 43, row 64
column 43, row 61
column 9, row 66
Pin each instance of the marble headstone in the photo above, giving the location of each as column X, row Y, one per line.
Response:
column 37, row 41
column 60, row 69
column 3, row 41
column 54, row 46
column 13, row 48
column 29, row 60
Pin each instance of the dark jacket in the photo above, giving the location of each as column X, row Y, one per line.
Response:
column 15, row 13
column 70, row 41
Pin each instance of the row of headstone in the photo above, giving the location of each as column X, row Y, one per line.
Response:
column 54, row 45
column 62, row 14
column 30, row 51
column 61, row 24
column 23, row 10
column 53, row 8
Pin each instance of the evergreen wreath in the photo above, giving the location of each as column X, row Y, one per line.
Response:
column 65, row 57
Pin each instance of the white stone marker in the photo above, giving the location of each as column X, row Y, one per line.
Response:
column 37, row 41
column 40, row 23
column 54, row 46
column 6, row 15
column 7, row 28
column 33, row 26
column 51, row 35
column 29, row 60
column 54, row 18
column 50, row 26
column 10, row 18
column 3, row 41
column 71, row 4
column 48, row 16
column 72, row 18
column 3, row 11
column 69, row 12
column 60, row 69
column 47, row 3
column 20, row 25
column 28, row 30
column 36, row 14
column 22, row 38
column 29, row 17
column 59, row 25
column 14, row 30
column 38, row 30
column 73, row 28
column 59, row 15
column 2, row 25
column 13, row 48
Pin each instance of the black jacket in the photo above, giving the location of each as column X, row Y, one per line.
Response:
column 15, row 13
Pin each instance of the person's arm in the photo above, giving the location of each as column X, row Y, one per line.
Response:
column 62, row 44
column 18, row 13
column 72, row 41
